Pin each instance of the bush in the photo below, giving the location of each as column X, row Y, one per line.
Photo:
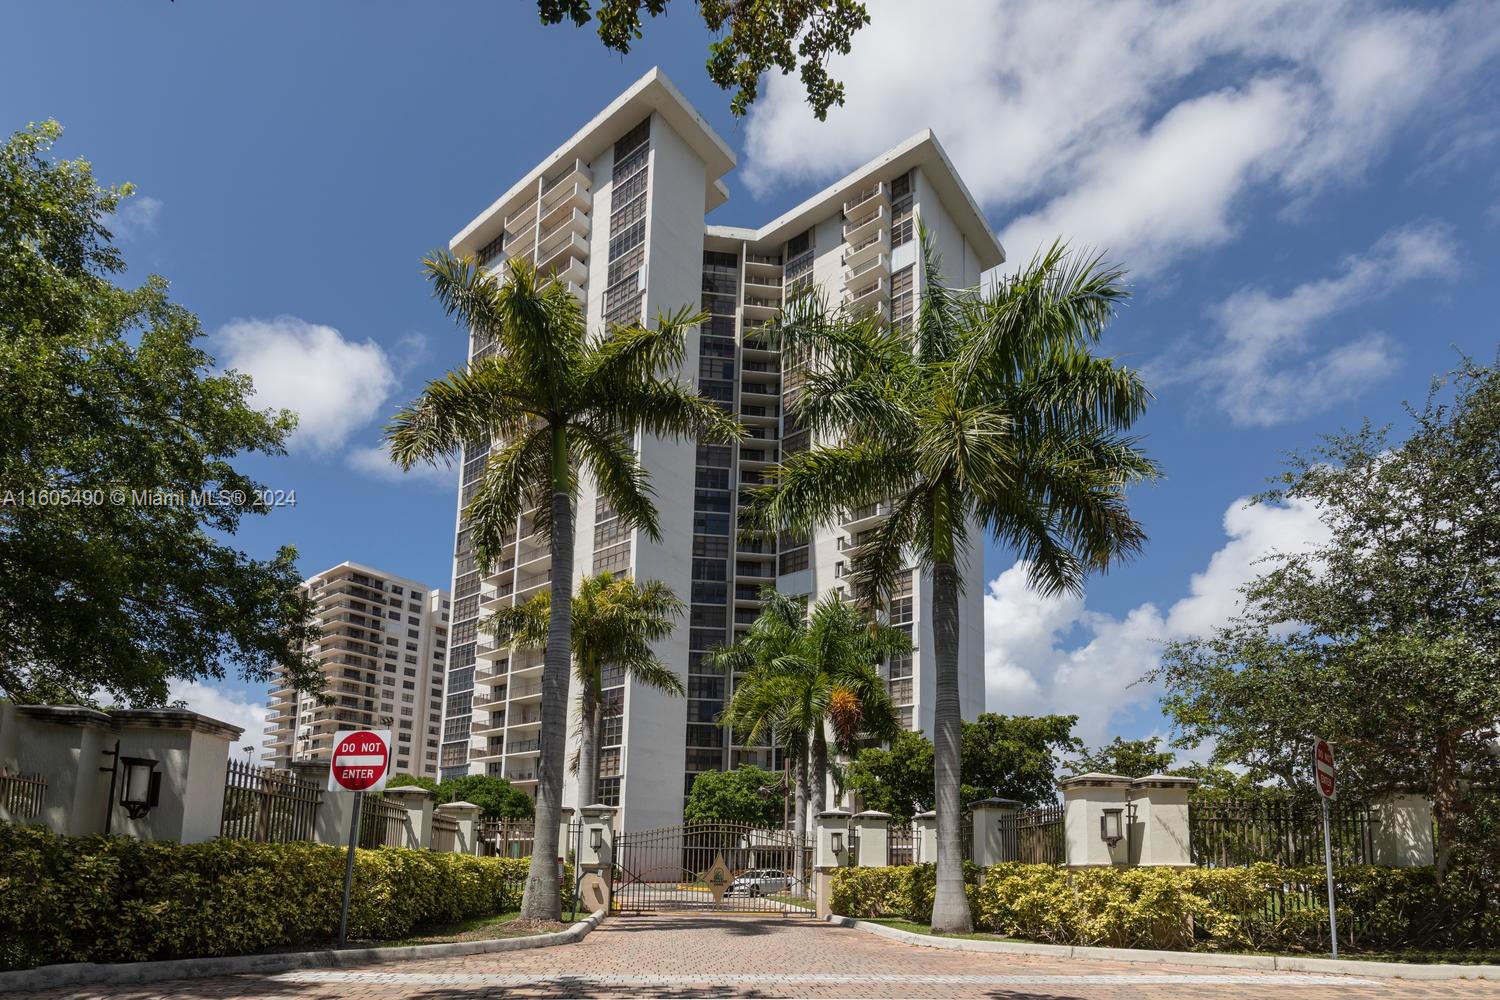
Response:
column 1263, row 907
column 114, row 899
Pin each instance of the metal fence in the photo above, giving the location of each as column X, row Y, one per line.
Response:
column 1035, row 836
column 21, row 795
column 902, row 846
column 382, row 823
column 1236, row 832
column 267, row 805
column 444, row 833
column 506, row 838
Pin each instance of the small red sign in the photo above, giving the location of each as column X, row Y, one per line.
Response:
column 361, row 759
column 1323, row 770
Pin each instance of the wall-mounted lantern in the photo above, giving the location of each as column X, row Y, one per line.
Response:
column 838, row 842
column 140, row 791
column 1112, row 826
column 596, row 838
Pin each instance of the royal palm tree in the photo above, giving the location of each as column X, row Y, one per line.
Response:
column 986, row 414
column 802, row 675
column 615, row 621
column 550, row 402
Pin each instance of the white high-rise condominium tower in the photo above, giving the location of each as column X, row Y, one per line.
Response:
column 382, row 644
column 618, row 214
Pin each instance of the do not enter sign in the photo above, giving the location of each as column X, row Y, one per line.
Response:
column 1323, row 772
column 361, row 760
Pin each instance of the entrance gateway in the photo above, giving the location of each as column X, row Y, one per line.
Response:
column 712, row 868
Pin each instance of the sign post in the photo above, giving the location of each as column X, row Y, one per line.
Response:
column 360, row 763
column 1326, row 779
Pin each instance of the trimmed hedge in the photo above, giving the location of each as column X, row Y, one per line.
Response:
column 1263, row 907
column 115, row 899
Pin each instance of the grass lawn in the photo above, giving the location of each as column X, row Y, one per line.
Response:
column 501, row 925
column 801, row 902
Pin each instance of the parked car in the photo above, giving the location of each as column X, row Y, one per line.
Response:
column 760, row 882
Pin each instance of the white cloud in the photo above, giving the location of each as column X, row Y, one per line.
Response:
column 335, row 385
column 1054, row 654
column 1265, row 366
column 1133, row 125
column 135, row 217
column 375, row 461
column 234, row 707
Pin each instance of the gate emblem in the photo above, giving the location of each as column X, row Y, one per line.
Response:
column 718, row 878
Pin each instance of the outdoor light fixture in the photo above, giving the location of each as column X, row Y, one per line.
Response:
column 1111, row 827
column 838, row 842
column 596, row 838
column 141, row 788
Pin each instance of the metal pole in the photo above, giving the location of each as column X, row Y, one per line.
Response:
column 577, row 864
column 349, row 869
column 114, row 770
column 1333, row 917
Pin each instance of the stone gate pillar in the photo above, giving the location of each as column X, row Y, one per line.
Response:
column 1403, row 836
column 466, row 815
column 418, row 804
column 873, row 829
column 994, row 826
column 1095, row 804
column 924, row 838
column 830, row 852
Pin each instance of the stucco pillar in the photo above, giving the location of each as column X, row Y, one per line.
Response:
column 994, row 831
column 466, row 815
column 873, row 829
column 830, row 852
column 1403, row 837
column 567, row 837
column 335, row 809
column 1160, row 834
column 1088, row 801
column 418, row 804
column 924, row 838
column 598, row 828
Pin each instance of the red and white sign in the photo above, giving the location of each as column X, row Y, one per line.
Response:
column 1323, row 772
column 361, row 760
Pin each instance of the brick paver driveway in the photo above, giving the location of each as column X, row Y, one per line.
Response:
column 711, row 956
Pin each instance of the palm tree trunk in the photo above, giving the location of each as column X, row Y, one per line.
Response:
column 950, row 907
column 588, row 750
column 542, row 899
column 819, row 775
column 799, row 837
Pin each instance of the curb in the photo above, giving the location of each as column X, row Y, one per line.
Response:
column 1263, row 963
column 78, row 973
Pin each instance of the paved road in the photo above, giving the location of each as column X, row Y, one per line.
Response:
column 711, row 956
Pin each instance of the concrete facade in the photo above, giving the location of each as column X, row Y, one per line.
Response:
column 618, row 214
column 382, row 647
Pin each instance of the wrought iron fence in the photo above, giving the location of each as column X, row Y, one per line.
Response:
column 1034, row 836
column 382, row 823
column 506, row 838
column 902, row 845
column 444, row 833
column 1236, row 832
column 267, row 805
column 21, row 795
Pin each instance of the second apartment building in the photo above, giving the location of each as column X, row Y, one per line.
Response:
column 618, row 214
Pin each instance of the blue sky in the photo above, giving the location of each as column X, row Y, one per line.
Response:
column 1307, row 197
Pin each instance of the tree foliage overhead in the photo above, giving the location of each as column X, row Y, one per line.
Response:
column 1129, row 758
column 108, row 398
column 755, row 37
column 495, row 797
column 747, row 794
column 1003, row 756
column 1385, row 639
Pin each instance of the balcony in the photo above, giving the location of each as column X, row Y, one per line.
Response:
column 864, row 517
column 570, row 223
column 867, row 199
column 566, row 193
column 759, row 305
column 759, row 281
column 869, row 266
column 523, row 219
column 861, row 227
column 870, row 246
column 524, row 747
column 576, row 172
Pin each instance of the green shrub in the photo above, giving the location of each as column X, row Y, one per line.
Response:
column 1263, row 907
column 114, row 899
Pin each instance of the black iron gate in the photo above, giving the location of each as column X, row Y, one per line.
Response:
column 711, row 867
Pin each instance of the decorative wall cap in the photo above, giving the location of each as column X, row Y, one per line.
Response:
column 459, row 806
column 66, row 715
column 599, row 809
column 1165, row 781
column 872, row 814
column 996, row 804
column 1095, row 779
column 929, row 814
column 175, row 718
column 565, row 810
column 416, row 791
column 833, row 814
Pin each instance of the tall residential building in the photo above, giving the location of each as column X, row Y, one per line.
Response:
column 618, row 214
column 382, row 646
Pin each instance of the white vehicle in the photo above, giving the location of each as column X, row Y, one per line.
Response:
column 760, row 882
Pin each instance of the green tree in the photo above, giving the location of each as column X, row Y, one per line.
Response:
column 495, row 797
column 548, row 403
column 1003, row 756
column 615, row 621
column 756, row 36
column 747, row 794
column 1385, row 638
column 988, row 414
column 1130, row 758
column 110, row 403
column 413, row 780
